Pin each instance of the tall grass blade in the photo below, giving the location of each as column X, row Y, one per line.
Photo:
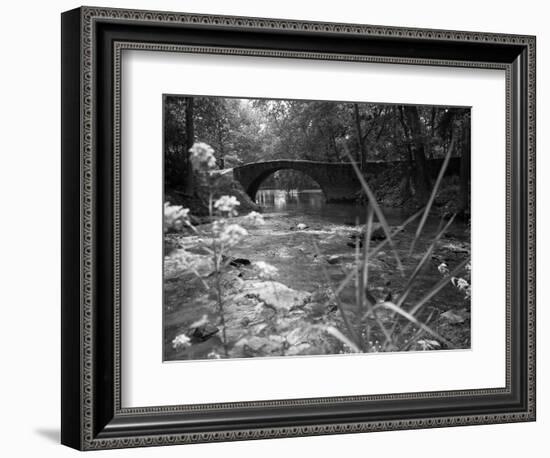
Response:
column 438, row 287
column 366, row 250
column 339, row 303
column 413, row 320
column 383, row 243
column 429, row 251
column 377, row 210
column 433, row 194
column 418, row 334
column 375, row 251
column 342, row 338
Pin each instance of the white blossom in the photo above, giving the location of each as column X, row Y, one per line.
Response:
column 255, row 219
column 443, row 269
column 462, row 284
column 181, row 341
column 175, row 217
column 266, row 270
column 232, row 234
column 202, row 156
column 227, row 204
column 427, row 344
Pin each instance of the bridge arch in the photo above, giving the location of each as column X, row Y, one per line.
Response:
column 337, row 180
column 257, row 183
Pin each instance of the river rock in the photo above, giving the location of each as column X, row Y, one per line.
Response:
column 378, row 233
column 276, row 295
column 456, row 247
column 307, row 340
column 315, row 310
column 204, row 332
column 453, row 317
column 183, row 262
column 258, row 346
column 239, row 262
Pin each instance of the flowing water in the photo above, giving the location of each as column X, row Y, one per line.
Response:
column 311, row 204
column 307, row 239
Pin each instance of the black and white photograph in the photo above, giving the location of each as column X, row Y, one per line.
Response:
column 301, row 227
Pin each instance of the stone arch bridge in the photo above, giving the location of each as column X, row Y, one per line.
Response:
column 338, row 181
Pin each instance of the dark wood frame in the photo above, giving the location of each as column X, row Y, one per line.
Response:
column 92, row 42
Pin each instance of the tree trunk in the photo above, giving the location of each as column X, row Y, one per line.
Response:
column 188, row 178
column 221, row 149
column 336, row 156
column 465, row 171
column 361, row 145
column 406, row 184
column 422, row 177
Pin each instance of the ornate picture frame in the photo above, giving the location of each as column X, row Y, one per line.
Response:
column 93, row 416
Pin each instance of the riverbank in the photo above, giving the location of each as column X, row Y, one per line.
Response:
column 197, row 202
column 392, row 189
column 294, row 312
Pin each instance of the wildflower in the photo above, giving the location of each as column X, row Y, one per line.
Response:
column 175, row 217
column 461, row 284
column 232, row 234
column 227, row 204
column 217, row 227
column 426, row 344
column 443, row 269
column 255, row 219
column 202, row 156
column 182, row 260
column 266, row 270
column 181, row 341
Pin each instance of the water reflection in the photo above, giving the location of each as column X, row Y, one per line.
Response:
column 310, row 202
column 280, row 200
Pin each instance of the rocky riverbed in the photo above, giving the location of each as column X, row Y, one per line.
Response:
column 294, row 311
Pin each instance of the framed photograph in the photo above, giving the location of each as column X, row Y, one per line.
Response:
column 277, row 228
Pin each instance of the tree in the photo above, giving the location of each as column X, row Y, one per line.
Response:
column 361, row 144
column 178, row 138
column 465, row 167
column 420, row 146
column 188, row 180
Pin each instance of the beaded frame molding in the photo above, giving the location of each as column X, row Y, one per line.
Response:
column 93, row 40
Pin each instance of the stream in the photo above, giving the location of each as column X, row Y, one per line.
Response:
column 311, row 204
column 308, row 240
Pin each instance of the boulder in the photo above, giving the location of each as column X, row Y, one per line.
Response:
column 239, row 262
column 453, row 317
column 204, row 332
column 377, row 232
column 258, row 346
column 276, row 295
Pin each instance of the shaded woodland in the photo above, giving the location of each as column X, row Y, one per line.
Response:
column 252, row 130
